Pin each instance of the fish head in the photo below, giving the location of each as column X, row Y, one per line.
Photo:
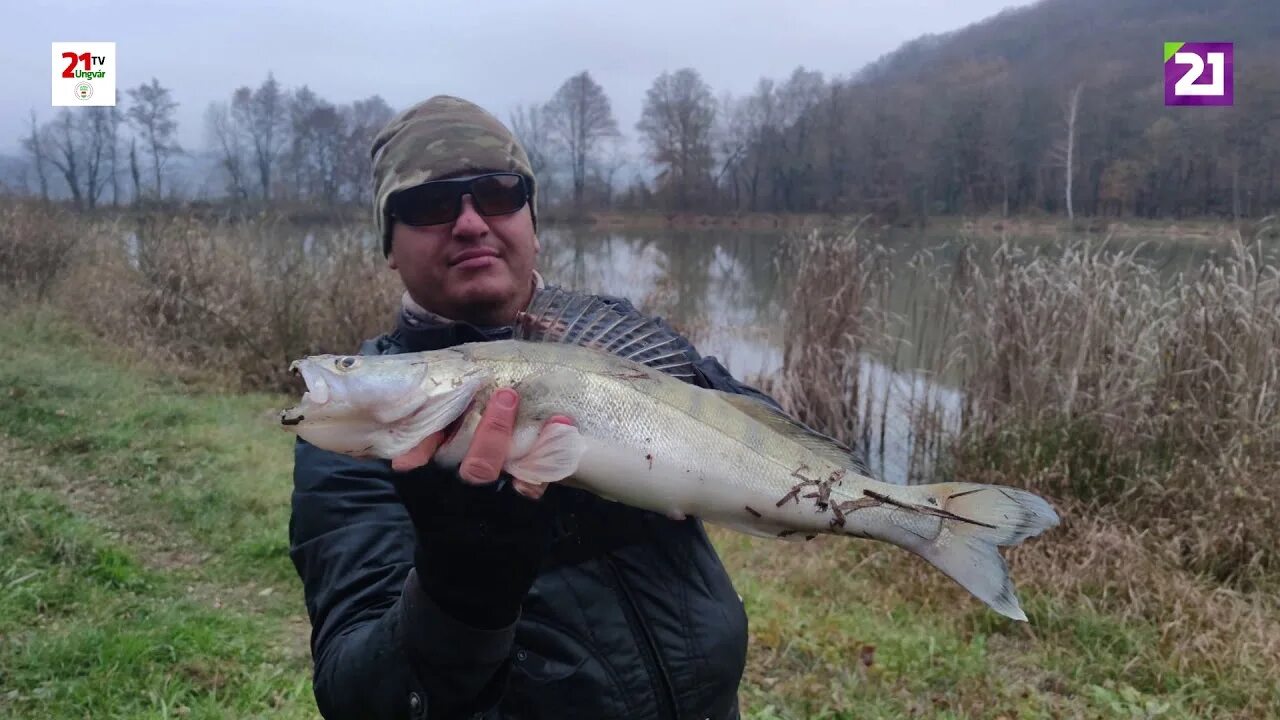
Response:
column 380, row 405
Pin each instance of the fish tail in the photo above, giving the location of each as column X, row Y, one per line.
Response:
column 959, row 526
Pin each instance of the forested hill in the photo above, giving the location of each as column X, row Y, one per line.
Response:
column 1064, row 40
column 975, row 121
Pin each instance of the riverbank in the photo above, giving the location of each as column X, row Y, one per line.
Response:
column 990, row 227
column 1037, row 226
column 144, row 573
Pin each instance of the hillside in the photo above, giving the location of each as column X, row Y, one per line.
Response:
column 974, row 121
column 1061, row 41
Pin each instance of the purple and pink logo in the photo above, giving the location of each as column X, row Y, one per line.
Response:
column 1198, row 73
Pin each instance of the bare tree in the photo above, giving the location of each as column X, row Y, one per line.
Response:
column 95, row 138
column 318, row 136
column 757, row 124
column 229, row 148
column 793, row 169
column 134, row 173
column 33, row 145
column 530, row 126
column 363, row 120
column 731, row 145
column 1066, row 150
column 299, row 159
column 609, row 161
column 62, row 141
column 114, row 120
column 326, row 132
column 579, row 117
column 152, row 115
column 261, row 115
column 676, row 122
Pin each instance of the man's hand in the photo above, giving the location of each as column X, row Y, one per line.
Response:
column 488, row 451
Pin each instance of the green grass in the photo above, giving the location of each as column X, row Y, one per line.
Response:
column 141, row 524
column 143, row 521
column 932, row 651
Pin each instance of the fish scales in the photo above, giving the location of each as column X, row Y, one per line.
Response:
column 641, row 427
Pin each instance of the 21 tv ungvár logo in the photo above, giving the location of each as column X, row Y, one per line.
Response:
column 84, row 73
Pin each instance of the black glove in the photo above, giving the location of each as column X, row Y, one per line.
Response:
column 479, row 546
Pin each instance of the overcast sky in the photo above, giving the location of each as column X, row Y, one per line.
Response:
column 495, row 53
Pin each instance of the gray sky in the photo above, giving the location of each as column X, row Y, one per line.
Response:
column 496, row 53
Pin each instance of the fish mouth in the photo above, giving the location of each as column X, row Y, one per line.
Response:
column 317, row 387
column 317, row 393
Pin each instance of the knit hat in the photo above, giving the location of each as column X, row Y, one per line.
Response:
column 437, row 137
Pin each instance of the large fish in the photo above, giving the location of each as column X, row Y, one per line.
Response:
column 644, row 437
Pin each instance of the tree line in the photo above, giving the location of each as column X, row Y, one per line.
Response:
column 986, row 137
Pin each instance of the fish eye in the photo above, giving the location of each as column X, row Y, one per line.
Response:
column 345, row 363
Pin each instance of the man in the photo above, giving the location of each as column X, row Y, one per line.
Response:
column 441, row 595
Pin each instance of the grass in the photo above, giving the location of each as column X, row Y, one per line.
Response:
column 840, row 631
column 143, row 565
column 145, row 517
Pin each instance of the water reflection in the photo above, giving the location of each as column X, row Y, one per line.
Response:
column 717, row 287
column 726, row 290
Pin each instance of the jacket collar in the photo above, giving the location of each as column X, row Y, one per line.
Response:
column 419, row 329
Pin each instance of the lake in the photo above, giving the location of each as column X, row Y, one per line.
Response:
column 725, row 289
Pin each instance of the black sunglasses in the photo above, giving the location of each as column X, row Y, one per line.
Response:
column 440, row 201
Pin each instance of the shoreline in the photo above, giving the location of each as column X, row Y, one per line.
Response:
column 1035, row 225
column 977, row 226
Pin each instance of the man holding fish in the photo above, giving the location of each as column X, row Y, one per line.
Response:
column 440, row 579
column 442, row 594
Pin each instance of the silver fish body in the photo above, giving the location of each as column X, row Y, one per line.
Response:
column 650, row 440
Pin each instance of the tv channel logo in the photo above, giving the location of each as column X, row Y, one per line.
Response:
column 1197, row 73
column 84, row 73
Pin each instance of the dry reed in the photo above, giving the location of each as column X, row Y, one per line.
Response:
column 1146, row 407
column 238, row 297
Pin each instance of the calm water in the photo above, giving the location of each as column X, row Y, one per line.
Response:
column 724, row 287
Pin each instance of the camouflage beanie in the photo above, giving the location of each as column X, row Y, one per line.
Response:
column 434, row 138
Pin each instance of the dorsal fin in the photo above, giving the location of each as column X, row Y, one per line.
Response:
column 821, row 445
column 560, row 316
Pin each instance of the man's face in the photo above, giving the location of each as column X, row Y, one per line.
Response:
column 476, row 269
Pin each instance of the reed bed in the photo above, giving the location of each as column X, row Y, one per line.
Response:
column 237, row 297
column 1145, row 406
column 1081, row 374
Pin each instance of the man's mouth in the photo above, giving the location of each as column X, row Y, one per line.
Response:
column 474, row 257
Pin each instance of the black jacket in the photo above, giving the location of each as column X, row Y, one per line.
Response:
column 631, row 616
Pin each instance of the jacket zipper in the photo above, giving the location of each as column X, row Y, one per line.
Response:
column 666, row 696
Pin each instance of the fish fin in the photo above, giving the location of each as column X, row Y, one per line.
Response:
column 560, row 316
column 827, row 448
column 553, row 457
column 959, row 526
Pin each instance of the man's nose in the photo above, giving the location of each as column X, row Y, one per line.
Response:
column 470, row 223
